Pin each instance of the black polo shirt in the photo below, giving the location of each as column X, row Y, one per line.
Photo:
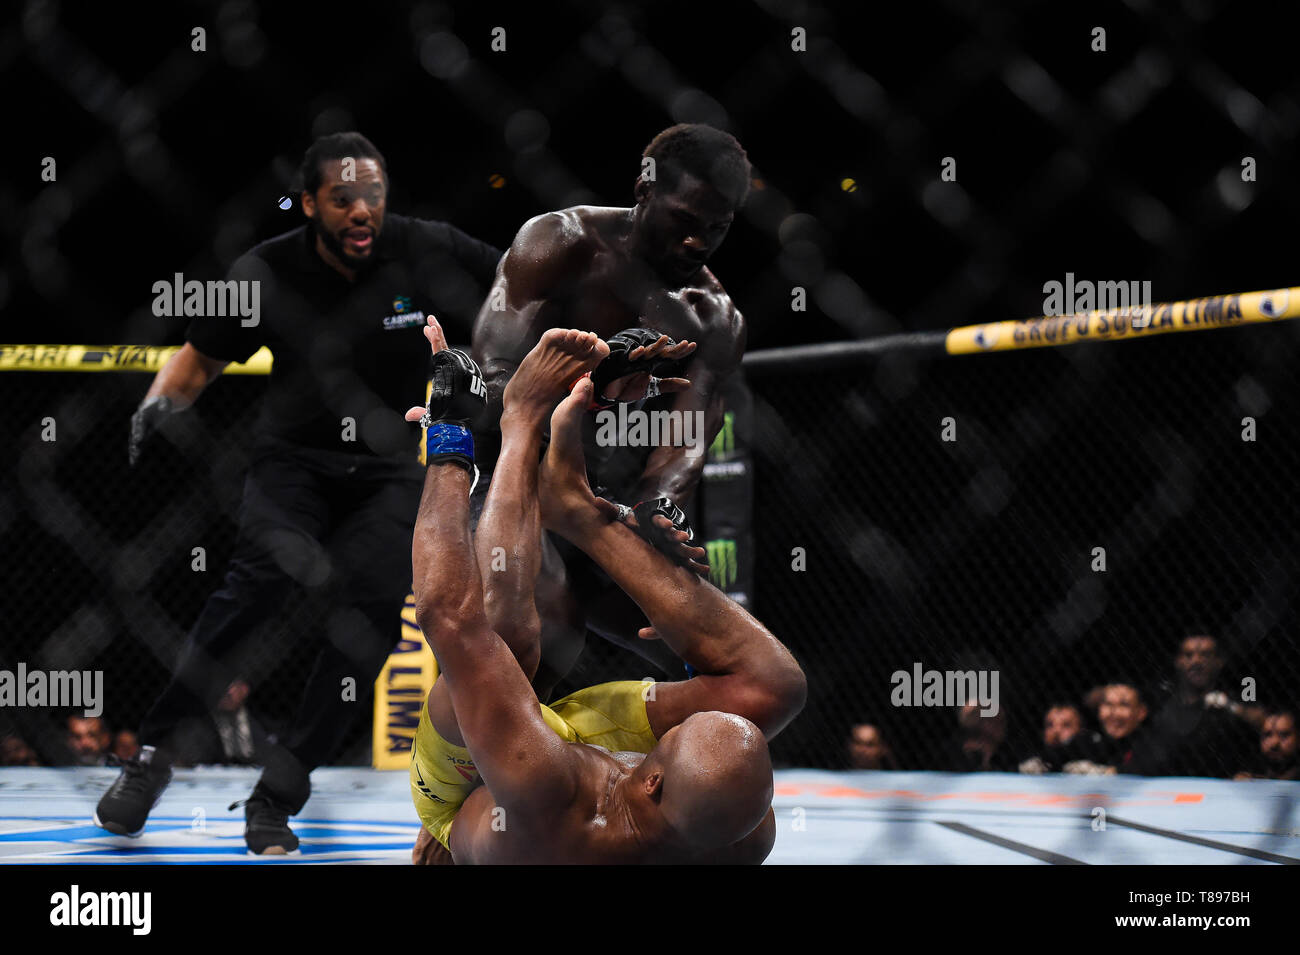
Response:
column 352, row 350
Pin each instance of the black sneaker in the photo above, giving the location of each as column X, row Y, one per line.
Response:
column 124, row 809
column 266, row 824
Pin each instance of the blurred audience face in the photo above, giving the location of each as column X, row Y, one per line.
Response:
column 126, row 745
column 1121, row 711
column 975, row 725
column 88, row 738
column 1277, row 740
column 14, row 751
column 867, row 749
column 1060, row 725
column 234, row 697
column 1197, row 663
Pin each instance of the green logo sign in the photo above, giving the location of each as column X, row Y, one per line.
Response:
column 724, row 445
column 724, row 566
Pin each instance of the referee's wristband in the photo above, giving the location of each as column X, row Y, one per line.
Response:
column 445, row 441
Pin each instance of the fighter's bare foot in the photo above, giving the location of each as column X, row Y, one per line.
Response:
column 563, row 491
column 547, row 372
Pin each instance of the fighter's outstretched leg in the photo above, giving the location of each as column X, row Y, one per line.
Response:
column 509, row 534
column 743, row 668
column 509, row 530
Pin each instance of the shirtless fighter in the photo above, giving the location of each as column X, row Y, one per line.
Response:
column 677, row 772
column 607, row 270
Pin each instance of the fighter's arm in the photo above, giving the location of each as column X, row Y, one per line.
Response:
column 177, row 385
column 506, row 542
column 524, row 764
column 538, row 267
column 184, row 376
column 670, row 470
column 743, row 668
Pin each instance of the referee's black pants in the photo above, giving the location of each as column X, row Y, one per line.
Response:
column 339, row 525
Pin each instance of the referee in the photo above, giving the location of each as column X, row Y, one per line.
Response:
column 333, row 486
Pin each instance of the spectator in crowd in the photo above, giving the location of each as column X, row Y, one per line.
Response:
column 126, row 745
column 1063, row 732
column 1200, row 727
column 1124, row 745
column 240, row 738
column 979, row 746
column 867, row 748
column 1061, row 724
column 89, row 739
column 14, row 751
column 232, row 736
column 1279, row 754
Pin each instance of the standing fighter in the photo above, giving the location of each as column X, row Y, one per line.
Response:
column 676, row 772
column 641, row 270
column 332, row 491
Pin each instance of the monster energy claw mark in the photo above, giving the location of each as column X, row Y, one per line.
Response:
column 724, row 445
column 723, row 562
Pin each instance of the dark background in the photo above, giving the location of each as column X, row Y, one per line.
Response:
column 1103, row 164
column 1122, row 165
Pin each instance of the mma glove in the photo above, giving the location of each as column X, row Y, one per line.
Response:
column 146, row 420
column 645, row 513
column 617, row 365
column 457, row 395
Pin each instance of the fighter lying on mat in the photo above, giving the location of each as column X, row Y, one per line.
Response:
column 678, row 772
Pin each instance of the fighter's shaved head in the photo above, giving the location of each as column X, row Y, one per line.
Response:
column 715, row 778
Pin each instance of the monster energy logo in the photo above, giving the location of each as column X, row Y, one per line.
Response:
column 723, row 564
column 724, row 445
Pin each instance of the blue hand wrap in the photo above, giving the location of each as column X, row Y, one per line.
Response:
column 444, row 438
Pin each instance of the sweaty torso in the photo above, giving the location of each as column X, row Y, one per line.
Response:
column 607, row 290
column 594, row 828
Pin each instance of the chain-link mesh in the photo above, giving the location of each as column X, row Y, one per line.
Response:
column 1063, row 518
column 1089, row 509
column 100, row 566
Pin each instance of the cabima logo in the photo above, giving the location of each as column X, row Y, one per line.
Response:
column 402, row 316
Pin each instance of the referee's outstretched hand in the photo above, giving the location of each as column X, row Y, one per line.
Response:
column 145, row 422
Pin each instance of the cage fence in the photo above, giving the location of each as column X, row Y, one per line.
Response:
column 1062, row 518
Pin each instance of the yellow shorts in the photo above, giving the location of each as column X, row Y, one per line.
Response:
column 611, row 715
